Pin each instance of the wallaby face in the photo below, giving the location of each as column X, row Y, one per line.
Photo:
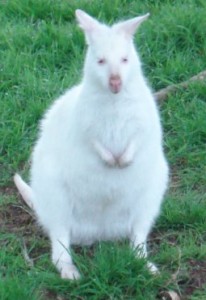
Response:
column 110, row 62
column 111, row 57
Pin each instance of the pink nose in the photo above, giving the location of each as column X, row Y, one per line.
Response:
column 115, row 84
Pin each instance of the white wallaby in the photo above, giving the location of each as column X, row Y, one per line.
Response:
column 98, row 168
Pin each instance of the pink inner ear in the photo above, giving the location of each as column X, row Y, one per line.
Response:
column 86, row 22
column 129, row 27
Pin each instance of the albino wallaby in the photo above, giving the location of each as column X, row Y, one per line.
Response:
column 98, row 169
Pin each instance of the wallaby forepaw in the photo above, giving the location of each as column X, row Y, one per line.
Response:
column 110, row 161
column 70, row 272
column 127, row 156
column 152, row 268
column 123, row 163
column 105, row 154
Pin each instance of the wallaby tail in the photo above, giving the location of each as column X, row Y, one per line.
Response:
column 24, row 189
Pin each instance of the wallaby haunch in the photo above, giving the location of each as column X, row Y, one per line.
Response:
column 98, row 169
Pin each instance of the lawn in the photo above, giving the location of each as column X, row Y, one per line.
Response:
column 41, row 55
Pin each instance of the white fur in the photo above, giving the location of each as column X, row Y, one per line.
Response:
column 98, row 168
column 24, row 190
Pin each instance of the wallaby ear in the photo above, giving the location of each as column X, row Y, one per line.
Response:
column 86, row 22
column 129, row 27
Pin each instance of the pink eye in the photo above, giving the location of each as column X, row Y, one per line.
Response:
column 101, row 61
column 124, row 59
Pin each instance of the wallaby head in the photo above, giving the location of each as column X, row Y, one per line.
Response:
column 111, row 57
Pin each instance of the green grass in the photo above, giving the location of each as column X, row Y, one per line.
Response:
column 41, row 53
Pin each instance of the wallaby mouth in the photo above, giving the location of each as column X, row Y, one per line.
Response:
column 115, row 84
column 115, row 90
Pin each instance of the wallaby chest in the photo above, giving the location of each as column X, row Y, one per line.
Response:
column 112, row 123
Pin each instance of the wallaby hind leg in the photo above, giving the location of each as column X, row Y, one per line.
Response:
column 61, row 256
